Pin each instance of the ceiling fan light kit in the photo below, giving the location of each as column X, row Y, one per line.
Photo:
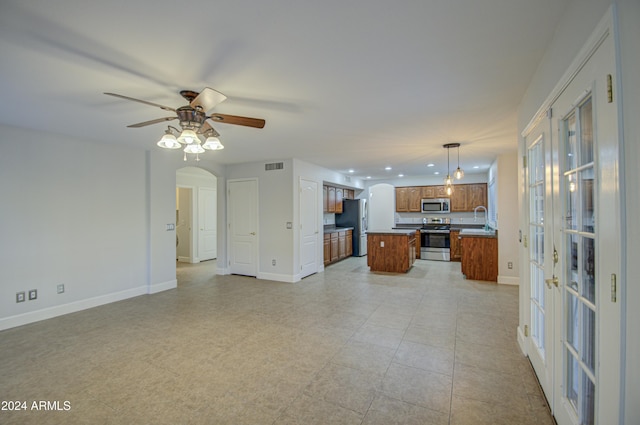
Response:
column 194, row 122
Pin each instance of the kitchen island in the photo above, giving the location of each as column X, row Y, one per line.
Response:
column 479, row 254
column 392, row 251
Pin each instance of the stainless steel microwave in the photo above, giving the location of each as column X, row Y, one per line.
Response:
column 435, row 206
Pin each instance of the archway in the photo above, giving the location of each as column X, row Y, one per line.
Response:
column 196, row 215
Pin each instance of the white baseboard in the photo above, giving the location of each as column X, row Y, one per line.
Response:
column 163, row 286
column 72, row 307
column 522, row 341
column 222, row 271
column 509, row 280
column 278, row 277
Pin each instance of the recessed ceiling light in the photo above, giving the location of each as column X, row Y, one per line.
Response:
column 351, row 171
column 368, row 177
column 400, row 175
column 437, row 172
column 431, row 165
column 387, row 168
column 476, row 166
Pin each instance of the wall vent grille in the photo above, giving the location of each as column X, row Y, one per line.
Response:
column 274, row 166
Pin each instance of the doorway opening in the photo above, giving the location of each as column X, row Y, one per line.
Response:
column 196, row 221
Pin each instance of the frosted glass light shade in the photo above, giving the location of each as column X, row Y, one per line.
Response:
column 188, row 137
column 212, row 144
column 194, row 148
column 169, row 141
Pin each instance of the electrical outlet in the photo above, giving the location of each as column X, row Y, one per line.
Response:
column 20, row 297
column 510, row 265
column 60, row 288
column 273, row 262
column 33, row 294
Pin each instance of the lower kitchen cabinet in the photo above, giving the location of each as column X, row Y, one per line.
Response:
column 337, row 246
column 480, row 258
column 327, row 248
column 456, row 249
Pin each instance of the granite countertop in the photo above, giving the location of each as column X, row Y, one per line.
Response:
column 478, row 233
column 392, row 232
column 333, row 229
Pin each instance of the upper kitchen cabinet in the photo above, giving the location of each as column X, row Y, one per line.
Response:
column 332, row 198
column 431, row 192
column 339, row 197
column 466, row 197
column 408, row 198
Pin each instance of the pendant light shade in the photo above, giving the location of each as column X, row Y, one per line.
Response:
column 448, row 181
column 213, row 144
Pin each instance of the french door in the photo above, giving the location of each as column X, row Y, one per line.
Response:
column 574, row 249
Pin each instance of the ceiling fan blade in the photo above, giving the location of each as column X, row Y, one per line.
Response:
column 237, row 120
column 166, row 108
column 207, row 99
column 156, row 121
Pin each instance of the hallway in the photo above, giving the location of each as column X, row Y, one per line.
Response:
column 341, row 347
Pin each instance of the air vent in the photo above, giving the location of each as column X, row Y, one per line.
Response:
column 274, row 166
column 347, row 179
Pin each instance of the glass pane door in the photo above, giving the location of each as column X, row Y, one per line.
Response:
column 579, row 288
column 536, row 248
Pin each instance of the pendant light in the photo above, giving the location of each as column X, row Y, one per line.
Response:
column 458, row 174
column 448, row 181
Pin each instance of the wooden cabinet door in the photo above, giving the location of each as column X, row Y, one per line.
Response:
column 459, row 201
column 418, row 244
column 331, row 204
column 349, row 243
column 402, row 199
column 334, row 247
column 325, row 199
column 342, row 245
column 415, row 196
column 327, row 248
column 440, row 193
column 428, row 192
column 339, row 197
column 476, row 196
column 456, row 252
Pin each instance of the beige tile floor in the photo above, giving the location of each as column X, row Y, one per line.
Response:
column 341, row 347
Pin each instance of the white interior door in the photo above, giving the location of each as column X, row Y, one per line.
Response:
column 587, row 355
column 207, row 224
column 308, row 227
column 243, row 226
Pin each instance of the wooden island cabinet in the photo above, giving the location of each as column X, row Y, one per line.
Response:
column 392, row 251
column 479, row 257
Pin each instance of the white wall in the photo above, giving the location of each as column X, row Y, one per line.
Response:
column 73, row 212
column 578, row 22
column 275, row 209
column 508, row 217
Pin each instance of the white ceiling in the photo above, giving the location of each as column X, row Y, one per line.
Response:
column 357, row 84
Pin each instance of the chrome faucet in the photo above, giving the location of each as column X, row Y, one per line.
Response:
column 475, row 216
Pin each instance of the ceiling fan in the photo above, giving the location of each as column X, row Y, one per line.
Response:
column 194, row 121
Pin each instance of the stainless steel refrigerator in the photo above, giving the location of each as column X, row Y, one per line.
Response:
column 354, row 214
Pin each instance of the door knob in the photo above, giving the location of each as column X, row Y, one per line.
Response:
column 552, row 281
column 253, row 233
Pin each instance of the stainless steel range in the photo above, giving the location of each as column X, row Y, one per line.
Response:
column 434, row 239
